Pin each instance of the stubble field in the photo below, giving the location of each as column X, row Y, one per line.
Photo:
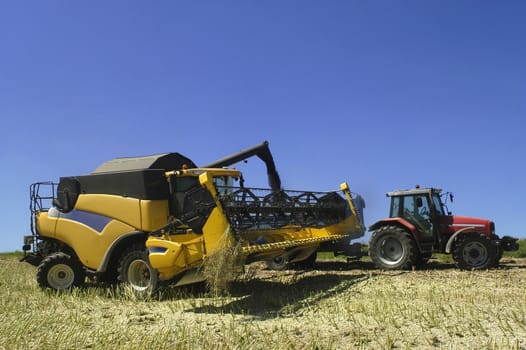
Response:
column 337, row 305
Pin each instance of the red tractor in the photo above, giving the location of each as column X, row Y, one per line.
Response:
column 419, row 225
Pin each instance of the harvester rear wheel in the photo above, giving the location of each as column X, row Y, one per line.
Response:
column 60, row 271
column 392, row 248
column 135, row 270
column 474, row 252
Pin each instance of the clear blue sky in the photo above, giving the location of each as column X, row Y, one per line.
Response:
column 382, row 94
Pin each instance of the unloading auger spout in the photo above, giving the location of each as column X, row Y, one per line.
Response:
column 262, row 151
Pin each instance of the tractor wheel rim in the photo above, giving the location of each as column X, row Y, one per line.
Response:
column 61, row 276
column 475, row 254
column 139, row 275
column 391, row 251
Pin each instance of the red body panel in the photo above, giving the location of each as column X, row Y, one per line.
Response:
column 448, row 225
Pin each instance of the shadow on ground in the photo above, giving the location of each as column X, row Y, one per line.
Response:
column 268, row 298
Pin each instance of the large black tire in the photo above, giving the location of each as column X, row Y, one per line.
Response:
column 136, row 271
column 474, row 252
column 60, row 271
column 392, row 248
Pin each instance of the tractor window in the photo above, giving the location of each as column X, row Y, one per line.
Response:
column 417, row 211
column 395, row 207
column 439, row 208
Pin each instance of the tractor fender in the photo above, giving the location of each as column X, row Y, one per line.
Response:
column 454, row 236
column 397, row 221
column 133, row 236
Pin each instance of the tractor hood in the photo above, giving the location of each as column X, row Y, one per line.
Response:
column 455, row 223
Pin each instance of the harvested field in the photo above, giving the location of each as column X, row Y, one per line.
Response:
column 337, row 305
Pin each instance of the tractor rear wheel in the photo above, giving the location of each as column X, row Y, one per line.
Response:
column 135, row 270
column 60, row 271
column 392, row 248
column 474, row 252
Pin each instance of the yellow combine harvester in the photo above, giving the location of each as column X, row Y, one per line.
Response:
column 141, row 220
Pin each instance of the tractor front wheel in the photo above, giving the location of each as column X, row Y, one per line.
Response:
column 392, row 248
column 135, row 270
column 60, row 271
column 474, row 252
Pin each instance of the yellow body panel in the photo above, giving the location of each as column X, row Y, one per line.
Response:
column 216, row 229
column 180, row 254
column 45, row 224
column 125, row 209
column 144, row 215
column 123, row 215
column 89, row 244
column 154, row 214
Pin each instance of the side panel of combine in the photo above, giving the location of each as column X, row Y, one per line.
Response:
column 126, row 210
column 154, row 214
column 93, row 212
column 90, row 235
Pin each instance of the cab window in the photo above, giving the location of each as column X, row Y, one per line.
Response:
column 438, row 204
column 224, row 184
column 395, row 207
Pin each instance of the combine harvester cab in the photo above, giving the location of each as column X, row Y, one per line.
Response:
column 209, row 214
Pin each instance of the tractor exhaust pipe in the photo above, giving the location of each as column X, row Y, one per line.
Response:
column 262, row 151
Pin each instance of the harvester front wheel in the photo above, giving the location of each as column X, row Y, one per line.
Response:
column 392, row 248
column 60, row 271
column 136, row 271
column 474, row 252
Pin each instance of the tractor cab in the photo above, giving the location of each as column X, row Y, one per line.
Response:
column 423, row 211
